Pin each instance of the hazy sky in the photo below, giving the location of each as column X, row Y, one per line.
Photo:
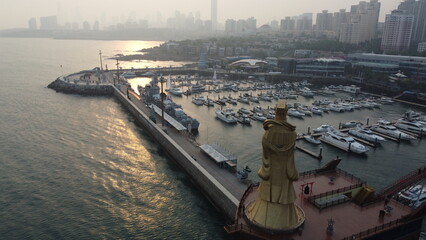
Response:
column 15, row 13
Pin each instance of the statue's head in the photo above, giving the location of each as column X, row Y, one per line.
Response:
column 281, row 109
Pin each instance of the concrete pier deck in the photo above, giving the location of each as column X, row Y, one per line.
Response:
column 219, row 185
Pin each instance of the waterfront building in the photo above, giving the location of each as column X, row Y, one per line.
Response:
column 421, row 47
column 321, row 67
column 249, row 65
column 214, row 15
column 32, row 24
column 397, row 31
column 362, row 24
column 418, row 9
column 48, row 23
column 413, row 67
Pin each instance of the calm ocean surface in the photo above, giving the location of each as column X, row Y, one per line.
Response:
column 74, row 167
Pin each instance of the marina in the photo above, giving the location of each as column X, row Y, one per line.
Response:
column 220, row 184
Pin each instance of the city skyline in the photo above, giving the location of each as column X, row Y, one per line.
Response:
column 17, row 13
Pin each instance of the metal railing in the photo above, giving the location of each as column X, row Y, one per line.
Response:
column 376, row 229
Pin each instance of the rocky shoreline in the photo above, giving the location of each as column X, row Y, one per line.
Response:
column 65, row 87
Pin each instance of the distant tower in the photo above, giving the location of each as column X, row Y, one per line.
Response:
column 214, row 15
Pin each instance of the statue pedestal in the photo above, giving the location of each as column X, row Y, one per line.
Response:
column 273, row 217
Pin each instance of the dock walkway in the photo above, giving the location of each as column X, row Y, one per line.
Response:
column 223, row 176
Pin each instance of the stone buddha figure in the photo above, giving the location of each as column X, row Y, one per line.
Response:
column 274, row 207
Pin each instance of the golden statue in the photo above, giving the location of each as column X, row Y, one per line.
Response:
column 274, row 207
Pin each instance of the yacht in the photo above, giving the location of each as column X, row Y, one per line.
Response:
column 316, row 110
column 244, row 119
column 226, row 117
column 311, row 139
column 198, row 100
column 322, row 129
column 176, row 91
column 128, row 75
column 254, row 99
column 307, row 93
column 350, row 124
column 259, row 117
column 243, row 100
column 343, row 141
column 294, row 113
column 197, row 88
column 305, row 111
column 257, row 109
column 386, row 128
column 336, row 108
column 209, row 102
column 411, row 126
column 244, row 111
column 366, row 134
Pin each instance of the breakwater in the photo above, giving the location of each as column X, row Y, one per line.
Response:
column 62, row 85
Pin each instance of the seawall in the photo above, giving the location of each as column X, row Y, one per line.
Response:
column 215, row 192
column 61, row 85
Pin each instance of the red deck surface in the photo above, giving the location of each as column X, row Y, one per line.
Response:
column 349, row 217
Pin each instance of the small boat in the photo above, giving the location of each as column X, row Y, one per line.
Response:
column 198, row 101
column 311, row 139
column 259, row 117
column 176, row 91
column 316, row 110
column 350, row 124
column 244, row 110
column 225, row 117
column 244, row 119
column 128, row 75
column 294, row 113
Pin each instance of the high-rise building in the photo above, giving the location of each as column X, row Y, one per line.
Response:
column 339, row 18
column 324, row 21
column 288, row 25
column 214, row 15
column 397, row 31
column 32, row 24
column 418, row 9
column 48, row 23
column 362, row 23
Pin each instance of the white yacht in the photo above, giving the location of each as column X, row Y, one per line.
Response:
column 311, row 139
column 390, row 130
column 176, row 91
column 366, row 134
column 209, row 102
column 198, row 100
column 259, row 117
column 244, row 119
column 411, row 126
column 322, row 129
column 244, row 110
column 343, row 141
column 243, row 100
column 226, row 117
column 336, row 108
column 350, row 124
column 316, row 110
column 294, row 113
column 128, row 75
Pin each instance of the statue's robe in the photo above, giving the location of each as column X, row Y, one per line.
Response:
column 274, row 206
